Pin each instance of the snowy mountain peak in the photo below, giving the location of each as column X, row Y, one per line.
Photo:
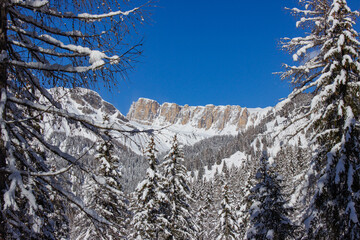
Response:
column 87, row 102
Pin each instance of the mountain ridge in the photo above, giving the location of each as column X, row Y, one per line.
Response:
column 219, row 118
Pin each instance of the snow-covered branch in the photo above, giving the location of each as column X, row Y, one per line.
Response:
column 57, row 43
column 81, row 16
column 58, row 67
column 52, row 52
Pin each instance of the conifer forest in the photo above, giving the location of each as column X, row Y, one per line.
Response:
column 72, row 166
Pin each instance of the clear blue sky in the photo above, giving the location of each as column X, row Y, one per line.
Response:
column 200, row 52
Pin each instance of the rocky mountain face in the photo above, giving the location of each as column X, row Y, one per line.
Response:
column 150, row 112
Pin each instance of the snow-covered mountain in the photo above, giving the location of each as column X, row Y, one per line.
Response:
column 190, row 123
column 212, row 126
column 210, row 133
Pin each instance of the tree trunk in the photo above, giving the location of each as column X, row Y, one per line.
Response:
column 3, row 81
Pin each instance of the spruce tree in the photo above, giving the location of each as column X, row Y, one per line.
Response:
column 149, row 221
column 227, row 227
column 106, row 199
column 176, row 188
column 268, row 215
column 201, row 173
column 225, row 171
column 329, row 67
column 206, row 214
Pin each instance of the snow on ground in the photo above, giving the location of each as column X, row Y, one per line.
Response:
column 235, row 160
column 259, row 110
column 256, row 115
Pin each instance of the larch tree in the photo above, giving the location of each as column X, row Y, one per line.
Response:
column 176, row 187
column 268, row 214
column 46, row 44
column 149, row 220
column 329, row 67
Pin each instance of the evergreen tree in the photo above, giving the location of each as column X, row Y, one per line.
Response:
column 268, row 215
column 206, row 214
column 201, row 173
column 227, row 228
column 329, row 66
column 237, row 184
column 301, row 158
column 106, row 199
column 149, row 221
column 218, row 181
column 225, row 171
column 177, row 190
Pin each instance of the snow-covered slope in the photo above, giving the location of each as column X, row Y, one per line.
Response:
column 235, row 160
column 83, row 102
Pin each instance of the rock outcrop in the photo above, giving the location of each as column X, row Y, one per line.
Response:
column 150, row 112
column 144, row 111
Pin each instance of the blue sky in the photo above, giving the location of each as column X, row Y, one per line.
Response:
column 200, row 52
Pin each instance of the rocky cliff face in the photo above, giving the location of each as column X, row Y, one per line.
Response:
column 150, row 112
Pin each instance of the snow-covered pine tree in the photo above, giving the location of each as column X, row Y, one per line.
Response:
column 109, row 202
column 149, row 221
column 176, row 188
column 46, row 44
column 201, row 172
column 237, row 184
column 268, row 214
column 217, row 181
column 245, row 201
column 197, row 187
column 206, row 214
column 227, row 227
column 329, row 67
column 225, row 171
